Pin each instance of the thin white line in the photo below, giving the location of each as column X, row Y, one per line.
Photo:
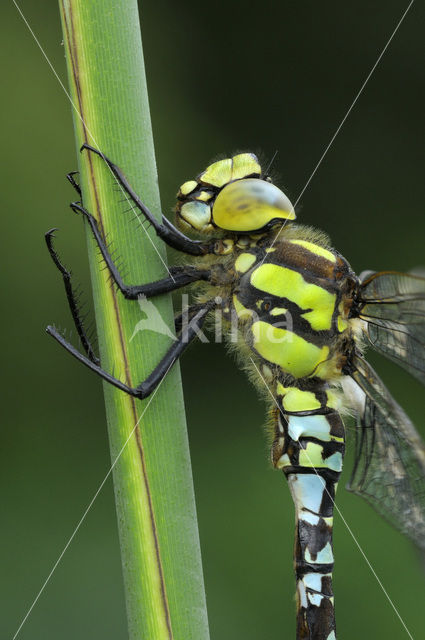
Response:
column 88, row 508
column 340, row 514
column 74, row 106
column 372, row 569
column 354, row 102
column 345, row 118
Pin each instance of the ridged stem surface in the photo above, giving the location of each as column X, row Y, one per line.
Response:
column 152, row 476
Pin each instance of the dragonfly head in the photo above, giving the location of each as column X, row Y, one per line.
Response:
column 232, row 195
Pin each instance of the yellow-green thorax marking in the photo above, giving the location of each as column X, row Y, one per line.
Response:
column 295, row 294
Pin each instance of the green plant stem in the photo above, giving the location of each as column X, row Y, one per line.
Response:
column 152, row 476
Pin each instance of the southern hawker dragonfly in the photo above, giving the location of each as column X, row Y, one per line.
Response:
column 303, row 321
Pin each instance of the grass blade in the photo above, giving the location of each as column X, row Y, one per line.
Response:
column 152, row 477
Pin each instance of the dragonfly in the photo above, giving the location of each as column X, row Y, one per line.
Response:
column 303, row 322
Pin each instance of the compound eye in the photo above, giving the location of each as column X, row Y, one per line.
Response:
column 249, row 205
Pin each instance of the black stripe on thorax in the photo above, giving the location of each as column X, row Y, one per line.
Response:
column 329, row 284
column 250, row 295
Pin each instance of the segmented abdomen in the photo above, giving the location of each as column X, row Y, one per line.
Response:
column 309, row 449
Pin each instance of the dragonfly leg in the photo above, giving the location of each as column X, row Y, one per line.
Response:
column 72, row 300
column 179, row 276
column 74, row 183
column 144, row 389
column 184, row 317
column 165, row 230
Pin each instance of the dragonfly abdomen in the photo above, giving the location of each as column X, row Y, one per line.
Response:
column 309, row 448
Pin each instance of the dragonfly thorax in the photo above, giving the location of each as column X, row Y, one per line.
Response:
column 291, row 300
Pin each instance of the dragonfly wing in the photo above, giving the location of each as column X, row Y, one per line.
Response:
column 393, row 306
column 389, row 469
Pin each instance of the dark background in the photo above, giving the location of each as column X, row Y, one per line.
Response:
column 221, row 77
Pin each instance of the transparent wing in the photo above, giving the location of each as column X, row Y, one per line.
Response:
column 393, row 305
column 389, row 469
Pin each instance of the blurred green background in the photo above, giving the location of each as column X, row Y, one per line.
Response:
column 221, row 77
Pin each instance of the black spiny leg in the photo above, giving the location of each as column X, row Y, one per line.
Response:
column 166, row 231
column 66, row 275
column 184, row 318
column 152, row 381
column 70, row 177
column 179, row 276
